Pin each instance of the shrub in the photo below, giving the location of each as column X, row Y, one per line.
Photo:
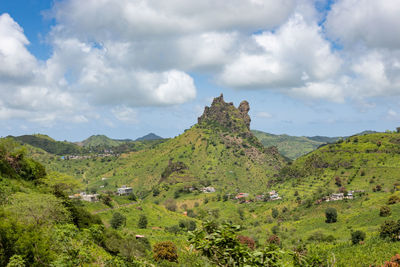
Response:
column 357, row 237
column 142, row 223
column 132, row 197
column 247, row 241
column 165, row 251
column 390, row 229
column 170, row 205
column 274, row 213
column 385, row 211
column 331, row 215
column 319, row 236
column 274, row 239
column 117, row 220
column 393, row 200
column 338, row 181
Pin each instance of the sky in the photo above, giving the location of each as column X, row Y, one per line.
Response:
column 125, row 68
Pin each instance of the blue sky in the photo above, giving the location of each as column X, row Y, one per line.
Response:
column 125, row 68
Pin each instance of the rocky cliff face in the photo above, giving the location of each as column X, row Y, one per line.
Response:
column 226, row 115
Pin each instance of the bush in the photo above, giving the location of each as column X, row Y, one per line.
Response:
column 142, row 223
column 132, row 197
column 170, row 205
column 117, row 220
column 274, row 239
column 385, row 211
column 245, row 240
column 165, row 251
column 274, row 213
column 390, row 229
column 331, row 215
column 393, row 200
column 357, row 237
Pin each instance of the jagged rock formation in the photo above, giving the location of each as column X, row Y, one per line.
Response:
column 226, row 115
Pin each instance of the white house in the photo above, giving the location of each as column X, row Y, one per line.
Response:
column 124, row 190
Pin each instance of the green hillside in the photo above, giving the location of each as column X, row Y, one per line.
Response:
column 100, row 140
column 289, row 146
column 222, row 152
column 48, row 144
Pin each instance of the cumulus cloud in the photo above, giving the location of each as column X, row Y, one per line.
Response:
column 125, row 114
column 365, row 22
column 293, row 55
column 17, row 64
column 264, row 115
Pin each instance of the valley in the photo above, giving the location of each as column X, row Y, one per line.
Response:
column 218, row 171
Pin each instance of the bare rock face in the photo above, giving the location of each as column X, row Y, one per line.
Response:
column 244, row 108
column 226, row 115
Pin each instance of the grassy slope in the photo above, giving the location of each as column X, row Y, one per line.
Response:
column 289, row 146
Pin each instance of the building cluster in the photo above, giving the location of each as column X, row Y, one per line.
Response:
column 123, row 191
column 208, row 189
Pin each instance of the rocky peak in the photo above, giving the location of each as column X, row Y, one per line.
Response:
column 227, row 115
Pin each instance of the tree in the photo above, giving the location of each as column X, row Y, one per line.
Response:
column 393, row 199
column 142, row 223
column 117, row 220
column 223, row 247
column 331, row 215
column 385, row 211
column 16, row 261
column 274, row 212
column 170, row 204
column 357, row 237
column 165, row 251
column 390, row 229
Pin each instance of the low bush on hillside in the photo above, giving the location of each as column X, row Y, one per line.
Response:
column 357, row 237
column 331, row 215
column 385, row 211
column 165, row 251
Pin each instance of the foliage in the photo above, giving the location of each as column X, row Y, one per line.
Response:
column 170, row 204
column 274, row 213
column 117, row 220
column 393, row 199
column 142, row 223
column 248, row 241
column 165, row 251
column 357, row 237
column 390, row 229
column 331, row 215
column 385, row 211
column 222, row 246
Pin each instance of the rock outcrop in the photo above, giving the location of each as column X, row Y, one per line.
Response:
column 226, row 115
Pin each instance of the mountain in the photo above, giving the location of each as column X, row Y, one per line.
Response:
column 100, row 140
column 48, row 144
column 289, row 146
column 219, row 150
column 323, row 139
column 150, row 136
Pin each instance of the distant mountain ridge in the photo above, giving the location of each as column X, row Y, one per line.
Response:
column 297, row 146
column 150, row 136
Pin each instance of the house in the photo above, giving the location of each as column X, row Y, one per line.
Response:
column 208, row 189
column 241, row 195
column 260, row 198
column 273, row 195
column 124, row 190
column 89, row 197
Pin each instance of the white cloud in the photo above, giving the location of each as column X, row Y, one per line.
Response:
column 264, row 115
column 288, row 57
column 125, row 114
column 16, row 63
column 365, row 22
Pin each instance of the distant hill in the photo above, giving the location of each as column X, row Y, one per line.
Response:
column 150, row 136
column 289, row 146
column 323, row 139
column 101, row 140
column 296, row 146
column 48, row 144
